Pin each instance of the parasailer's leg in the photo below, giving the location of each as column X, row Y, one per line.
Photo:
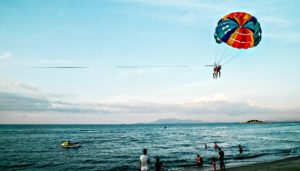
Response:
column 215, row 75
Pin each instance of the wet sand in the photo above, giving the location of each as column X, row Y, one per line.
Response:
column 288, row 164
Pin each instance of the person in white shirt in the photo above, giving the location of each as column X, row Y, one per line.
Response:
column 144, row 161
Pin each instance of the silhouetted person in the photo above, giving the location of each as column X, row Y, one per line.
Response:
column 158, row 164
column 221, row 159
column 205, row 146
column 241, row 149
column 219, row 71
column 144, row 161
column 215, row 74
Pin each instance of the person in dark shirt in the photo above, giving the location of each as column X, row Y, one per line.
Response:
column 241, row 149
column 158, row 164
column 221, row 159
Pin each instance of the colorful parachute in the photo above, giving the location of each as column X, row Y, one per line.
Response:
column 239, row 30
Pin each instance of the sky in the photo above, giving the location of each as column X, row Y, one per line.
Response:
column 136, row 61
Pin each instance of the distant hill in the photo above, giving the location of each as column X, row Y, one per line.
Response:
column 175, row 121
column 254, row 121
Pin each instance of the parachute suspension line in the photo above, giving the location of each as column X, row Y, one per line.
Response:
column 215, row 52
column 228, row 55
column 232, row 58
column 225, row 54
column 219, row 58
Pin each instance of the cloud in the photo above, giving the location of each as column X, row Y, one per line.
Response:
column 16, row 102
column 5, row 55
column 278, row 26
column 218, row 104
column 18, row 87
column 276, row 21
column 61, row 67
column 18, row 97
column 286, row 36
column 184, row 12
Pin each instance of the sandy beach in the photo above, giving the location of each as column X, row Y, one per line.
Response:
column 290, row 164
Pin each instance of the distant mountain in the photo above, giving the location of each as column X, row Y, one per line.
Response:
column 175, row 121
column 254, row 121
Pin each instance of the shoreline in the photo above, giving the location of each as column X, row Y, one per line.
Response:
column 87, row 124
column 290, row 164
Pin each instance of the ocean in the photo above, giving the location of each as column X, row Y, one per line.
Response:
column 118, row 147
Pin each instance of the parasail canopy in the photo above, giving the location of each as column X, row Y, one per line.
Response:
column 239, row 30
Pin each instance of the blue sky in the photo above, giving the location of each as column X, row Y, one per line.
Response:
column 170, row 40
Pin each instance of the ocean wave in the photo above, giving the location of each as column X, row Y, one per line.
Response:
column 119, row 147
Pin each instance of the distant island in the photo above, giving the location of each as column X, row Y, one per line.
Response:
column 254, row 121
column 175, row 121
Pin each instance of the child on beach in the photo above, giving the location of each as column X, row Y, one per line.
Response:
column 214, row 164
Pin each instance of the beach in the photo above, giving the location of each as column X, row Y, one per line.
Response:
column 290, row 164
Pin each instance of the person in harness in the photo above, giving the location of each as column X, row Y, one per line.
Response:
column 215, row 74
column 218, row 68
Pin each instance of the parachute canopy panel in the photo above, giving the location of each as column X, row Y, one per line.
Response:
column 239, row 30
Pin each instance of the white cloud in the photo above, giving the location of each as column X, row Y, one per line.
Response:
column 275, row 21
column 5, row 55
column 285, row 35
column 178, row 11
column 18, row 97
column 18, row 87
column 186, row 4
column 280, row 28
column 198, row 13
column 204, row 107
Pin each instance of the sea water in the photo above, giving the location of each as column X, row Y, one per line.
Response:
column 118, row 147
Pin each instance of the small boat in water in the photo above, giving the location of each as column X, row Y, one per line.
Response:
column 69, row 144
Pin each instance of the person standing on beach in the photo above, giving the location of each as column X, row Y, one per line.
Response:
column 221, row 159
column 214, row 164
column 199, row 160
column 241, row 149
column 144, row 161
column 158, row 164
